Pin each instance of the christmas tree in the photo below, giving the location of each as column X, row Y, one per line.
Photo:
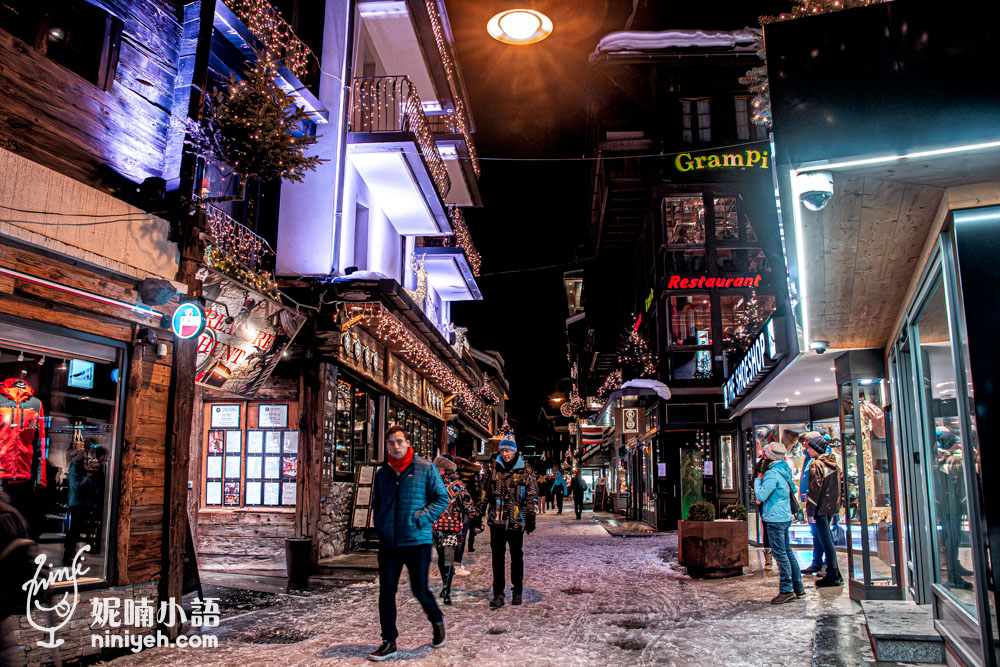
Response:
column 635, row 358
column 748, row 322
column 250, row 125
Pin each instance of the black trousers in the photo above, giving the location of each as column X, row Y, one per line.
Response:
column 559, row 497
column 500, row 538
column 391, row 560
column 578, row 505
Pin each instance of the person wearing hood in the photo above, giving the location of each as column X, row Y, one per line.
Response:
column 823, row 503
column 471, row 474
column 449, row 529
column 773, row 489
column 559, row 489
column 408, row 496
column 512, row 498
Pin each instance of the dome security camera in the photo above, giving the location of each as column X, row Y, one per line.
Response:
column 820, row 346
column 816, row 189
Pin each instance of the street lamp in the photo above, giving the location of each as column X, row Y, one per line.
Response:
column 519, row 26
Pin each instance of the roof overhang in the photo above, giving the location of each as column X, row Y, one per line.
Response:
column 391, row 166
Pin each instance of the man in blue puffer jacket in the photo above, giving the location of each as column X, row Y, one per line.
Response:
column 407, row 497
column 773, row 488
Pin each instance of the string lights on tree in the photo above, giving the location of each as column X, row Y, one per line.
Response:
column 250, row 125
column 756, row 77
column 748, row 322
column 610, row 384
column 635, row 357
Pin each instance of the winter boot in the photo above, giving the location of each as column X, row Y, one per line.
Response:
column 496, row 602
column 444, row 580
column 446, row 591
column 516, row 599
column 438, row 640
column 387, row 651
column 767, row 560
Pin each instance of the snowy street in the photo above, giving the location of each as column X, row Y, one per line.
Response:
column 590, row 599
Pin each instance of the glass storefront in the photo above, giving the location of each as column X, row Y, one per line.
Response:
column 424, row 435
column 60, row 413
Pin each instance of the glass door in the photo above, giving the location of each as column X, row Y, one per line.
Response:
column 692, row 485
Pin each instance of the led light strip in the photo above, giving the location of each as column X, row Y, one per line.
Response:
column 66, row 289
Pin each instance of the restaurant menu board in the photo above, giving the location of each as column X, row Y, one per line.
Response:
column 600, row 494
column 272, row 466
column 222, row 467
column 362, row 516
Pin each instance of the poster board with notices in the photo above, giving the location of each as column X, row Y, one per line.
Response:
column 600, row 494
column 362, row 516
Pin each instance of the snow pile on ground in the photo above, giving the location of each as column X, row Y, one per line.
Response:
column 590, row 599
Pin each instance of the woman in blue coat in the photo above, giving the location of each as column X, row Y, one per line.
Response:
column 560, row 489
column 773, row 488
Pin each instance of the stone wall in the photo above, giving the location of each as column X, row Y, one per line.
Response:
column 76, row 634
column 335, row 514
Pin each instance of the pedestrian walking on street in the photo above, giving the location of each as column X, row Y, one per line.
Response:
column 512, row 497
column 550, row 482
column 543, row 486
column 823, row 503
column 578, row 486
column 774, row 489
column 471, row 474
column 559, row 489
column 759, row 468
column 407, row 497
column 449, row 529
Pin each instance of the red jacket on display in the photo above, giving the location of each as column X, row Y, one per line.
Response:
column 22, row 433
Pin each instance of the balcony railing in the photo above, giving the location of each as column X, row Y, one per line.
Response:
column 460, row 239
column 391, row 104
column 456, row 123
column 237, row 251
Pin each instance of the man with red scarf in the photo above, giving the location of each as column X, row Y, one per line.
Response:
column 407, row 497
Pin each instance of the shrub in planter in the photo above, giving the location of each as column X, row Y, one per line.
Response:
column 709, row 548
column 734, row 512
column 701, row 512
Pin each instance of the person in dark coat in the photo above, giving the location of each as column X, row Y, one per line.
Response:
column 578, row 487
column 471, row 474
column 449, row 529
column 512, row 499
column 408, row 496
column 823, row 503
column 543, row 485
column 559, row 489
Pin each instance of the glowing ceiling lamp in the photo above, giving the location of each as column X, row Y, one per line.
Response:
column 519, row 26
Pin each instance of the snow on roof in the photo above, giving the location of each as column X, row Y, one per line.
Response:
column 647, row 40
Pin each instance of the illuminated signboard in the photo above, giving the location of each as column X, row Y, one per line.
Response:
column 701, row 282
column 188, row 320
column 649, row 299
column 748, row 158
column 245, row 336
column 767, row 348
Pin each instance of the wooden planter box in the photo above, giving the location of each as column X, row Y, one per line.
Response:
column 713, row 549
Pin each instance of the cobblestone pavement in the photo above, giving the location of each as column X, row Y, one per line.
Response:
column 590, row 599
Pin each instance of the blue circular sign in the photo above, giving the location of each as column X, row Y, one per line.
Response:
column 188, row 320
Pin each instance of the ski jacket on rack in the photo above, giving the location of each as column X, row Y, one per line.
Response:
column 22, row 433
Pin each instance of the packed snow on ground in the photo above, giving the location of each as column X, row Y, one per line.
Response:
column 590, row 599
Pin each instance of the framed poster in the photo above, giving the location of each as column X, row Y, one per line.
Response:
column 225, row 416
column 272, row 416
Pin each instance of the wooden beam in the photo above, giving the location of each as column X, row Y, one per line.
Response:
column 134, row 391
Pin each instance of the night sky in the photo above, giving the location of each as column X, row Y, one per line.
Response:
column 529, row 106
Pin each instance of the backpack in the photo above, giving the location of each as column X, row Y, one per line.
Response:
column 793, row 502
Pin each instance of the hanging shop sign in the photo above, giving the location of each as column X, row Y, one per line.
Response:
column 566, row 410
column 767, row 349
column 188, row 320
column 630, row 421
column 246, row 334
column 649, row 299
column 702, row 282
column 749, row 158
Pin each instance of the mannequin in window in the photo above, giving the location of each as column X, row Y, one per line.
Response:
column 22, row 447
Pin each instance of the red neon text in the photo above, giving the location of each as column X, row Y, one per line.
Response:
column 701, row 282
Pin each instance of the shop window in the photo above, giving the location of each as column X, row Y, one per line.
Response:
column 421, row 433
column 690, row 320
column 731, row 221
column 78, row 35
column 742, row 317
column 696, row 120
column 684, row 220
column 741, row 262
column 60, row 405
column 251, row 455
column 949, row 502
column 746, row 129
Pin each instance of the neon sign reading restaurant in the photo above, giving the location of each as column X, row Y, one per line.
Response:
column 748, row 158
column 701, row 282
